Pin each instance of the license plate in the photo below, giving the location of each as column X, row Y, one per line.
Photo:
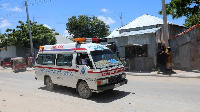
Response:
column 117, row 85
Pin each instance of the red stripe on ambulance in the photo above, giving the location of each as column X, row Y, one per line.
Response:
column 57, row 68
column 109, row 72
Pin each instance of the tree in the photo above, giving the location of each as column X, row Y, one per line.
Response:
column 3, row 41
column 188, row 8
column 87, row 27
column 41, row 35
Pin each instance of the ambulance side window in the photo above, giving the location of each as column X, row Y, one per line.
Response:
column 83, row 59
column 64, row 59
column 46, row 59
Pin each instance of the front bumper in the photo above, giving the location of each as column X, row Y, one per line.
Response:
column 111, row 86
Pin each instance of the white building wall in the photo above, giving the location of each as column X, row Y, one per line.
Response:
column 11, row 52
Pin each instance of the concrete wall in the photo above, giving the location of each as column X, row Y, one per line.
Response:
column 111, row 40
column 195, row 56
column 143, row 63
column 121, row 41
column 181, row 51
column 175, row 52
column 175, row 30
column 195, row 49
column 186, row 50
column 11, row 52
column 197, row 34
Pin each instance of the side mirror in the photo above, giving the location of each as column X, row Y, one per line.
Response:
column 90, row 65
column 123, row 62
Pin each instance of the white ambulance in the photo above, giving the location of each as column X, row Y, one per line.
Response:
column 88, row 67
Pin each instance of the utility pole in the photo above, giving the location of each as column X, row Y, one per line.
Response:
column 33, row 18
column 165, row 26
column 29, row 27
column 121, row 19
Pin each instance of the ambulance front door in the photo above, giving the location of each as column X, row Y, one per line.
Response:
column 82, row 64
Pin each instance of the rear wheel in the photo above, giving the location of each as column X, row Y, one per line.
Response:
column 50, row 86
column 84, row 90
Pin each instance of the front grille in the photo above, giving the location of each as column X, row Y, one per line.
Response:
column 114, row 79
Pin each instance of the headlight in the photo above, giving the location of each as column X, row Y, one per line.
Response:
column 123, row 76
column 102, row 82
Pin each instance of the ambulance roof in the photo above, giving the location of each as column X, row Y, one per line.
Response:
column 71, row 47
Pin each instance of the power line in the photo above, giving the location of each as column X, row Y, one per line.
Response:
column 21, row 6
column 12, row 12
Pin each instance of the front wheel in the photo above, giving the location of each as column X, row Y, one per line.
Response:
column 84, row 90
column 50, row 86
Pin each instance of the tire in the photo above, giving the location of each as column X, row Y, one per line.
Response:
column 84, row 90
column 50, row 86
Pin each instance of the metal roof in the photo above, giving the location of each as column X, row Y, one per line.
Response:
column 153, row 30
column 144, row 20
column 114, row 34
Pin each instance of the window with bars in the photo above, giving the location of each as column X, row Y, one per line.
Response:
column 136, row 51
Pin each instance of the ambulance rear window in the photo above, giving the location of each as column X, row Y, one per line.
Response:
column 46, row 59
column 64, row 60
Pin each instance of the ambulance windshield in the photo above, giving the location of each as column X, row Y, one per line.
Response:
column 105, row 58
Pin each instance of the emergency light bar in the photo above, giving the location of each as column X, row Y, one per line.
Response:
column 93, row 40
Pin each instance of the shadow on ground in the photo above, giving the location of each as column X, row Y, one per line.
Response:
column 103, row 97
column 194, row 71
column 139, row 71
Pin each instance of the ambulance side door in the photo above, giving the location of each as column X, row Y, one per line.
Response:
column 65, row 75
column 82, row 65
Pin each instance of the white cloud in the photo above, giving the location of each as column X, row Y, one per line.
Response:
column 47, row 26
column 107, row 20
column 104, row 10
column 4, row 23
column 4, row 5
column 16, row 9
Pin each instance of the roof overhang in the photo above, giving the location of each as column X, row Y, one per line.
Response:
column 131, row 45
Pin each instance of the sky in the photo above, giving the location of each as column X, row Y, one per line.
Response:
column 55, row 13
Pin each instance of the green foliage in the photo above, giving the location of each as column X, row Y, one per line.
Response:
column 56, row 33
column 41, row 35
column 187, row 8
column 87, row 27
column 192, row 20
column 3, row 40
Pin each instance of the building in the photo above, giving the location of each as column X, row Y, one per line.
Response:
column 138, row 41
column 186, row 49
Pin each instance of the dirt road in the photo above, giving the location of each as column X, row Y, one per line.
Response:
column 20, row 92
